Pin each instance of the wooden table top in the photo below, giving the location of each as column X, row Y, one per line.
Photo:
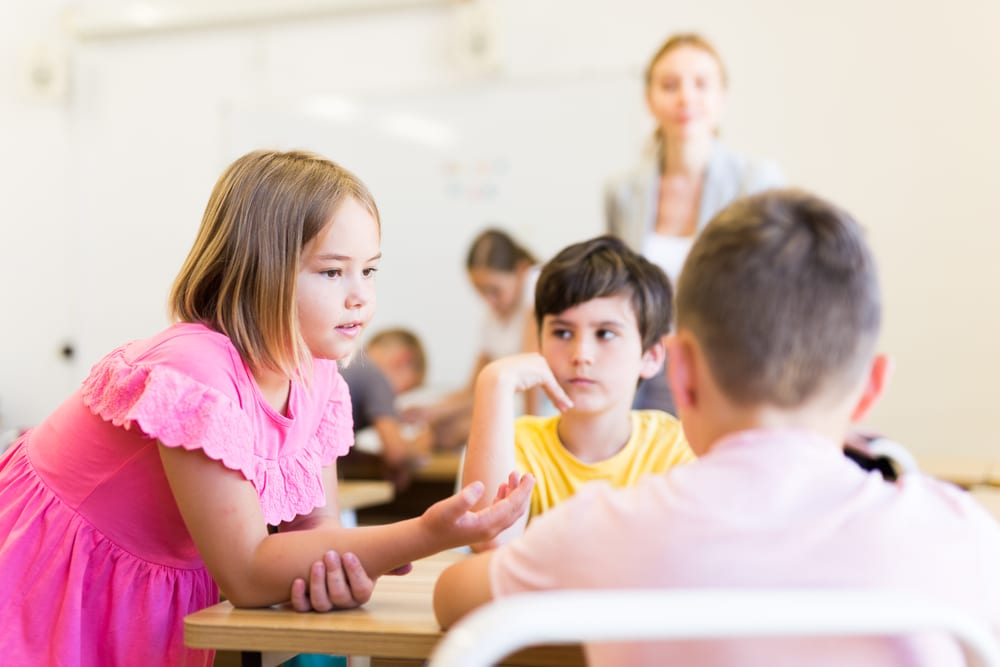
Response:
column 398, row 622
column 989, row 497
column 439, row 467
column 994, row 474
column 355, row 494
column 961, row 471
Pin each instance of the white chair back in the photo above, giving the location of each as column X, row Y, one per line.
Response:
column 506, row 625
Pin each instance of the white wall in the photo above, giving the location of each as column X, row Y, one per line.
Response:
column 888, row 108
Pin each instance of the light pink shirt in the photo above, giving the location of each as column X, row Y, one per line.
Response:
column 781, row 509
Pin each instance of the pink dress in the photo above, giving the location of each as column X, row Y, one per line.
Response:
column 97, row 565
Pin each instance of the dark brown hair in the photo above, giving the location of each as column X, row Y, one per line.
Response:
column 782, row 293
column 497, row 250
column 605, row 266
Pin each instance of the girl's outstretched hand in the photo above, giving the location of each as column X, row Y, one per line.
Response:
column 451, row 519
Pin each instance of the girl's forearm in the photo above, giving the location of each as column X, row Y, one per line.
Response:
column 282, row 557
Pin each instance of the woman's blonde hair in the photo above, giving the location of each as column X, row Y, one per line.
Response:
column 686, row 39
column 239, row 277
column 673, row 42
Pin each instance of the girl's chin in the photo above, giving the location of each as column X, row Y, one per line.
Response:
column 339, row 353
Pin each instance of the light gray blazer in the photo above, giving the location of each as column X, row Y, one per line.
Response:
column 631, row 198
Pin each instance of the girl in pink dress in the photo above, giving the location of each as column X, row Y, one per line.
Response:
column 155, row 482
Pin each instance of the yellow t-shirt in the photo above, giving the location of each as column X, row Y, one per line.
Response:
column 657, row 443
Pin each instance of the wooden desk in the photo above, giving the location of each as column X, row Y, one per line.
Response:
column 963, row 472
column 396, row 627
column 988, row 497
column 440, row 467
column 993, row 477
column 354, row 494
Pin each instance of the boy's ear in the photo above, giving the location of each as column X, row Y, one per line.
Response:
column 652, row 359
column 680, row 371
column 875, row 383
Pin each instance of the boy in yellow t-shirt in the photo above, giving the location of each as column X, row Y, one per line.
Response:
column 602, row 312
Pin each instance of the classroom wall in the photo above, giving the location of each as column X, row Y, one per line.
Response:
column 888, row 108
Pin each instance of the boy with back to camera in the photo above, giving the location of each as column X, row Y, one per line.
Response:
column 778, row 313
column 602, row 312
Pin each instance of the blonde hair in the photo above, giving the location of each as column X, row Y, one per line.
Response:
column 686, row 39
column 408, row 341
column 677, row 41
column 239, row 277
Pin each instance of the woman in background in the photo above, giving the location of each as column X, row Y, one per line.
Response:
column 503, row 273
column 686, row 175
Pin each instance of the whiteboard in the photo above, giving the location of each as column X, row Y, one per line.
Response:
column 529, row 157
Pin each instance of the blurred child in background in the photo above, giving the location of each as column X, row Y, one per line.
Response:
column 503, row 273
column 392, row 363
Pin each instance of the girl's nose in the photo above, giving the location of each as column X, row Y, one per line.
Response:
column 360, row 294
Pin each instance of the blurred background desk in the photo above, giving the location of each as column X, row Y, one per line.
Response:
column 988, row 497
column 356, row 494
column 433, row 479
column 440, row 467
column 965, row 472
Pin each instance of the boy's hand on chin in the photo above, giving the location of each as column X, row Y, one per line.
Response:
column 521, row 372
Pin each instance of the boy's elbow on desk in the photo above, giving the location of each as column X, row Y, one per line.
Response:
column 461, row 588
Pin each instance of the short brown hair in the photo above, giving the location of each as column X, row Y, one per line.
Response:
column 239, row 277
column 408, row 340
column 605, row 266
column 782, row 293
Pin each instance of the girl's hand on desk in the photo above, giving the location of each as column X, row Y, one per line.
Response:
column 335, row 583
column 453, row 520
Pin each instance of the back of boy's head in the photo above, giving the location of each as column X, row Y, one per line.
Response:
column 239, row 277
column 603, row 267
column 496, row 250
column 409, row 341
column 782, row 294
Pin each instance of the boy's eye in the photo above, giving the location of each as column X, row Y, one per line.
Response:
column 561, row 333
column 605, row 334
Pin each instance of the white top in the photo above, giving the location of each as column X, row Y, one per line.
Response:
column 504, row 337
column 667, row 252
